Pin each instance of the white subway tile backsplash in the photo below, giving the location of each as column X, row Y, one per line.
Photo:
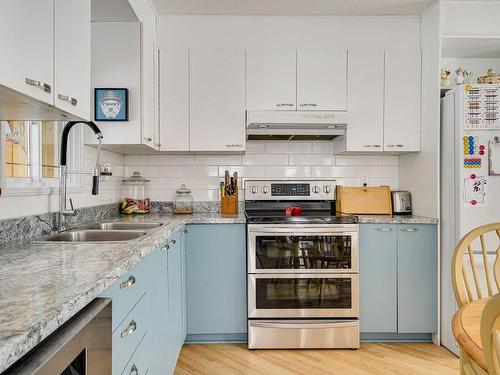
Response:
column 243, row 171
column 262, row 160
column 332, row 172
column 311, row 159
column 255, row 147
column 265, row 159
column 322, row 147
column 178, row 159
column 217, row 159
column 136, row 159
column 359, row 160
column 272, row 172
column 192, row 171
column 289, row 147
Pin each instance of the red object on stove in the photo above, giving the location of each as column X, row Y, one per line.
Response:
column 293, row 211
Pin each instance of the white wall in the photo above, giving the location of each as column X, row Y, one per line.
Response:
column 24, row 203
column 285, row 32
column 419, row 172
column 470, row 18
column 263, row 159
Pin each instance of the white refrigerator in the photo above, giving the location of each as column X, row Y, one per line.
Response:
column 470, row 178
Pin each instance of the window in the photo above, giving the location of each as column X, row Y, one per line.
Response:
column 31, row 153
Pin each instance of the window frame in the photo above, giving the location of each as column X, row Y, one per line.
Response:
column 35, row 179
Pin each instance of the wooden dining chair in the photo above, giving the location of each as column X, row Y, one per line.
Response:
column 490, row 334
column 476, row 277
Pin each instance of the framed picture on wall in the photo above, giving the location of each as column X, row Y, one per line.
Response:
column 111, row 104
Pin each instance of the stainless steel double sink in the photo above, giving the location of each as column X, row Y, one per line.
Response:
column 106, row 232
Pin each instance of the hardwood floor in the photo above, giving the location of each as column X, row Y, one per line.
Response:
column 372, row 358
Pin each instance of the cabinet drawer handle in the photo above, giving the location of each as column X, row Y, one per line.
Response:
column 127, row 284
column 134, row 370
column 173, row 242
column 400, row 145
column 67, row 98
column 234, row 145
column 132, row 326
column 309, row 105
column 284, row 105
column 158, row 145
column 33, row 82
column 389, row 145
column 148, row 139
column 408, row 229
column 383, row 229
column 370, row 146
column 165, row 248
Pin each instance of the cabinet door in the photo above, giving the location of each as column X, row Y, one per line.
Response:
column 72, row 57
column 402, row 100
column 27, row 45
column 174, row 100
column 174, row 335
column 417, row 278
column 216, row 279
column 183, row 285
column 378, row 278
column 158, row 296
column 321, row 79
column 271, row 80
column 217, row 100
column 365, row 131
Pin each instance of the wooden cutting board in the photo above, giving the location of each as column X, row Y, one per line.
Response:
column 364, row 200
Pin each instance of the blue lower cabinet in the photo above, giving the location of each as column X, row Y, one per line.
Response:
column 183, row 284
column 139, row 363
column 216, row 282
column 378, row 278
column 174, row 317
column 417, row 278
column 398, row 281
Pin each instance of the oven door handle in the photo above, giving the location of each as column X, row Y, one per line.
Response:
column 298, row 230
column 309, row 325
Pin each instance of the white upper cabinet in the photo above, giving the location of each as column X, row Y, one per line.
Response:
column 27, row 45
column 366, row 101
column 217, row 100
column 174, row 100
column 72, row 57
column 402, row 100
column 271, row 79
column 321, row 80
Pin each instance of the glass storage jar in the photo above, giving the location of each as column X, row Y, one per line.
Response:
column 135, row 197
column 183, row 203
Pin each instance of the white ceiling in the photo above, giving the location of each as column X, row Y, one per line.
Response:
column 292, row 7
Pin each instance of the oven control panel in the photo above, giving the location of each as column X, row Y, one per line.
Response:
column 289, row 190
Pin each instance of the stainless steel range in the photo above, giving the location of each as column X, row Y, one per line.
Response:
column 303, row 287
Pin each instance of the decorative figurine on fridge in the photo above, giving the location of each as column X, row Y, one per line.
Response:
column 463, row 76
column 445, row 77
column 490, row 77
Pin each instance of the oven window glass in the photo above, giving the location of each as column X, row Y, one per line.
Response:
column 303, row 293
column 78, row 366
column 303, row 252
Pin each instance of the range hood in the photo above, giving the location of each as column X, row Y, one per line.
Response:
column 295, row 125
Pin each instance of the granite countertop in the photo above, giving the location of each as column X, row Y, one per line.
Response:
column 396, row 219
column 44, row 284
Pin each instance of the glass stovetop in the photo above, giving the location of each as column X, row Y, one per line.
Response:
column 305, row 218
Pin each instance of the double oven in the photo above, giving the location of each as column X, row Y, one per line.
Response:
column 303, row 280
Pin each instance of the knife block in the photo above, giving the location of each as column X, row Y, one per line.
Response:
column 229, row 204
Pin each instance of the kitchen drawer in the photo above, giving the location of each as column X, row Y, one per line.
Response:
column 129, row 334
column 127, row 291
column 139, row 362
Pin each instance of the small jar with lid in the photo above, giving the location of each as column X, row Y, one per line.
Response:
column 183, row 203
column 135, row 198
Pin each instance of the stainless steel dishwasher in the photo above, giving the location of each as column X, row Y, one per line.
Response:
column 81, row 346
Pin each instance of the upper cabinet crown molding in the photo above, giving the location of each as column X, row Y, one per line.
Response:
column 48, row 59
